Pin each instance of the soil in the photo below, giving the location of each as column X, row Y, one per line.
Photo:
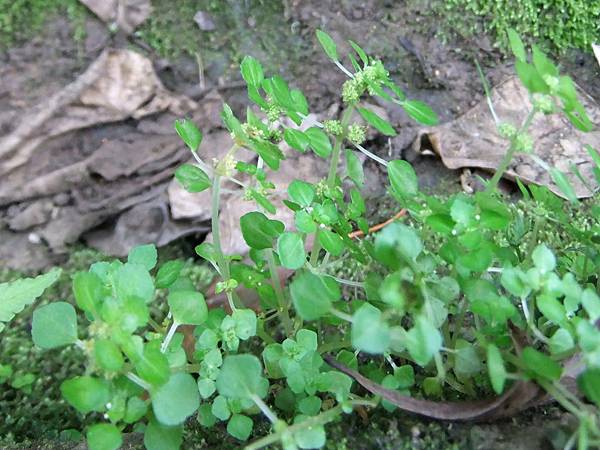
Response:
column 402, row 33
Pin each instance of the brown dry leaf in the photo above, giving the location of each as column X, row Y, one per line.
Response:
column 120, row 84
column 472, row 141
column 518, row 397
column 128, row 14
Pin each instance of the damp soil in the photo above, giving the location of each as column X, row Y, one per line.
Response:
column 404, row 34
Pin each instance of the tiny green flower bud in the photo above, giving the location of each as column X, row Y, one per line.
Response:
column 333, row 127
column 552, row 82
column 507, row 130
column 524, row 143
column 357, row 134
column 351, row 91
column 543, row 103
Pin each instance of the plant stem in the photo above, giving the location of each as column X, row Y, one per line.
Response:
column 283, row 304
column 137, row 380
column 221, row 260
column 264, row 408
column 493, row 183
column 333, row 165
column 321, row 419
column 169, row 336
column 341, row 314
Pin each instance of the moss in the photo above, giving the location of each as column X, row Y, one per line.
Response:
column 560, row 24
column 22, row 19
column 256, row 27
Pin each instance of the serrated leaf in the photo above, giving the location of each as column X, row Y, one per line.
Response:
column 189, row 133
column 252, row 71
column 328, row 45
column 16, row 295
column 420, row 112
column 380, row 124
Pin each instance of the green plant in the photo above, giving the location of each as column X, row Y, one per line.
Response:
column 563, row 24
column 20, row 19
column 458, row 301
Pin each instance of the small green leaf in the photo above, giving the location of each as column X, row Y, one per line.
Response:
column 104, row 436
column 516, row 45
column 355, row 169
column 301, row 192
column 54, row 325
column 543, row 259
column 304, row 222
column 496, row 369
column 240, row 427
column 589, row 383
column 133, row 280
column 86, row 394
column 145, row 255
column 312, row 295
column 319, row 141
column 176, row 400
column 420, row 112
column 561, row 341
column 563, row 183
column 245, row 323
column 168, row 274
column 241, row 377
column 296, row 139
column 189, row 133
column 151, row 365
column 88, row 291
column 423, row 341
column 370, row 333
column 395, row 242
column 591, row 304
column 108, row 356
column 188, row 307
column 252, row 71
column 331, row 241
column 258, row 231
column 530, row 78
column 541, row 365
column 328, row 45
column 206, row 387
column 403, row 178
column 160, row 437
column 136, row 409
column 377, row 122
column 360, row 52
column 309, row 437
column 192, row 178
column 290, row 248
column 544, row 66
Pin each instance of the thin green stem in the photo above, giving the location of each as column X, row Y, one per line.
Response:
column 321, row 419
column 493, row 183
column 283, row 306
column 137, row 380
column 169, row 336
column 222, row 262
column 341, row 314
column 264, row 408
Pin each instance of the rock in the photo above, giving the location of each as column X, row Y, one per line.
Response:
column 204, row 21
column 36, row 213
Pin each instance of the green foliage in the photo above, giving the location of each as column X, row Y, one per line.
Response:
column 563, row 24
column 22, row 19
column 462, row 297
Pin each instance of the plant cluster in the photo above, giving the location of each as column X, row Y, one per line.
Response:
column 564, row 24
column 461, row 298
